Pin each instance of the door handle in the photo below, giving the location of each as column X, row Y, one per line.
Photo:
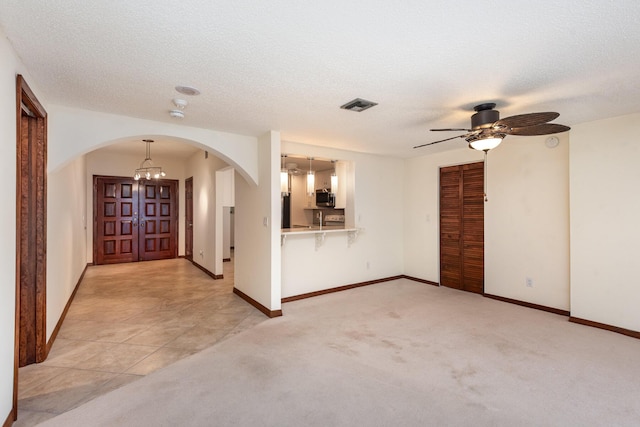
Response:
column 190, row 224
column 142, row 224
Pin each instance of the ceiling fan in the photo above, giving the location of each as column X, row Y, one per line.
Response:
column 488, row 130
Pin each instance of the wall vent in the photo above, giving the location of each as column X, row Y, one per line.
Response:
column 358, row 105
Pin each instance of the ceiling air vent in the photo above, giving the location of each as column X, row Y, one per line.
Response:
column 358, row 105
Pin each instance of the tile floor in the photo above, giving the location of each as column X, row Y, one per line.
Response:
column 125, row 322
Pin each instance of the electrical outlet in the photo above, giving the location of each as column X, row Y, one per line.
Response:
column 529, row 282
column 368, row 264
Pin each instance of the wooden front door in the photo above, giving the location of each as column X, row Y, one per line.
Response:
column 134, row 220
column 188, row 226
column 158, row 224
column 462, row 227
column 116, row 224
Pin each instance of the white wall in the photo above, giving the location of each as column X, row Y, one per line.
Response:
column 376, row 207
column 526, row 219
column 101, row 162
column 10, row 65
column 205, row 215
column 66, row 236
column 605, row 205
column 257, row 232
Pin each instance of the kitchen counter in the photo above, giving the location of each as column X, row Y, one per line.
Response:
column 319, row 233
column 315, row 229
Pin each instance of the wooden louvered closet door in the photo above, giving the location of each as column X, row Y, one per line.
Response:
column 462, row 227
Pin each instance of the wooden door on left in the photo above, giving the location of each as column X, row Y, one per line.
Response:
column 134, row 220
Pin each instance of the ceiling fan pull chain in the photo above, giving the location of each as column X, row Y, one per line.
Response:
column 485, row 176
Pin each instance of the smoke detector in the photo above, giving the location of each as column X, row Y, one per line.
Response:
column 552, row 142
column 178, row 111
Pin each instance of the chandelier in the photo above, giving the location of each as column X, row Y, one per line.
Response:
column 147, row 170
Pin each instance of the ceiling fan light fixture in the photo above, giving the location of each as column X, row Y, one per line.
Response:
column 487, row 143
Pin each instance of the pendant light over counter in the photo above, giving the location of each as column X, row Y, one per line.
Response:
column 334, row 178
column 284, row 178
column 311, row 179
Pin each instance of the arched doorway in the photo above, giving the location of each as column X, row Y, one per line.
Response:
column 211, row 181
column 78, row 133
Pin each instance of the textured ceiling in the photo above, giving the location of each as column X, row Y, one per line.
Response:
column 288, row 65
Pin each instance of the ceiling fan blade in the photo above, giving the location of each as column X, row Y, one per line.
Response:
column 522, row 120
column 442, row 140
column 454, row 129
column 543, row 129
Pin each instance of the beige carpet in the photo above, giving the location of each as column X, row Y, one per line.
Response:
column 393, row 354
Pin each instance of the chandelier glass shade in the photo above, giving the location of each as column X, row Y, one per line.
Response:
column 147, row 169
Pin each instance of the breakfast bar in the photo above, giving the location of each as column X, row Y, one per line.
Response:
column 319, row 232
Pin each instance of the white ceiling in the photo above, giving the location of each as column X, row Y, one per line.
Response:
column 288, row 65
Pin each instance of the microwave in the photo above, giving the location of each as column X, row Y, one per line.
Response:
column 325, row 198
